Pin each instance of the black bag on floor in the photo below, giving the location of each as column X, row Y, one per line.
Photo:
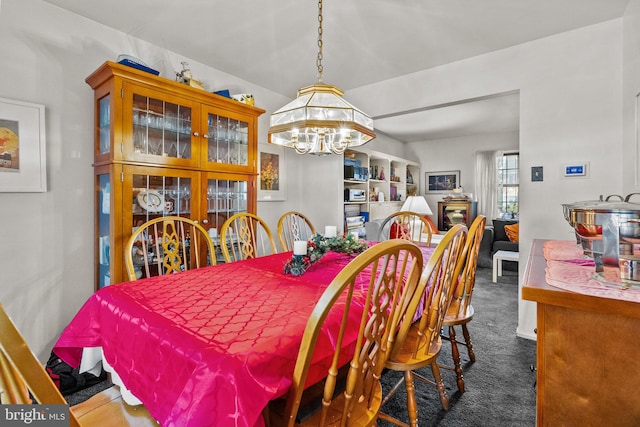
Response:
column 68, row 379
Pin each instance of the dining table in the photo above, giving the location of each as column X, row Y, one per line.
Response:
column 211, row 346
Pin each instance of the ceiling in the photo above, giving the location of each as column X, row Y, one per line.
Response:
column 364, row 42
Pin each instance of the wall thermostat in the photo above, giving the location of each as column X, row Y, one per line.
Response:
column 575, row 169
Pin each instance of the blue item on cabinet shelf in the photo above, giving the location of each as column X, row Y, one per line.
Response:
column 224, row 93
column 138, row 66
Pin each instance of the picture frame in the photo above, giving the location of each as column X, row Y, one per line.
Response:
column 441, row 181
column 272, row 173
column 23, row 161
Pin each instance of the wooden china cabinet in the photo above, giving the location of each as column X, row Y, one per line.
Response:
column 164, row 148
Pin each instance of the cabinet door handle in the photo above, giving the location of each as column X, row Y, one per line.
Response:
column 205, row 136
column 205, row 221
column 196, row 134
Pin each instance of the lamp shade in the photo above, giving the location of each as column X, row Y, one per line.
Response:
column 417, row 204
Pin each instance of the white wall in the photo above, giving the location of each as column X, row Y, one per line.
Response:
column 386, row 144
column 46, row 249
column 570, row 110
column 630, row 159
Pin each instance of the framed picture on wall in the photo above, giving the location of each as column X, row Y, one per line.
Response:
column 271, row 173
column 442, row 181
column 23, row 158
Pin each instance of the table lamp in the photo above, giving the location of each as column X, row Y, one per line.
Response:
column 419, row 205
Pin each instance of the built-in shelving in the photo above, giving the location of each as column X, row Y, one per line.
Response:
column 378, row 182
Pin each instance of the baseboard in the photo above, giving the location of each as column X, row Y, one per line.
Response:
column 527, row 335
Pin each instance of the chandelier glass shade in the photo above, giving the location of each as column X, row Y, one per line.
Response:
column 320, row 121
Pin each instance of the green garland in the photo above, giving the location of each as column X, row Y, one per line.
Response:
column 319, row 245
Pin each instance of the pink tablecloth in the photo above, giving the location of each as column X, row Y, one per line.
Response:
column 568, row 269
column 207, row 347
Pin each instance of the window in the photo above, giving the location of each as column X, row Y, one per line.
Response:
column 508, row 185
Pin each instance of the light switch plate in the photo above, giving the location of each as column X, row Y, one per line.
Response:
column 536, row 173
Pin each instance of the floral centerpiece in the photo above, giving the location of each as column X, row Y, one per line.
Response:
column 319, row 245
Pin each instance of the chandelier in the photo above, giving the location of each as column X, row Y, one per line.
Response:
column 319, row 120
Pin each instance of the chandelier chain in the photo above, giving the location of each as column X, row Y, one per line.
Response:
column 319, row 58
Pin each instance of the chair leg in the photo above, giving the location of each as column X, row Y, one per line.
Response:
column 412, row 407
column 455, row 354
column 467, row 340
column 389, row 418
column 444, row 399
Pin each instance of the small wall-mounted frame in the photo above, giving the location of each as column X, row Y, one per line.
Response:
column 575, row 170
column 23, row 160
column 271, row 173
column 441, row 182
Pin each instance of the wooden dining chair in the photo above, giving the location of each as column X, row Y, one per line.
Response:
column 246, row 235
column 294, row 226
column 418, row 342
column 385, row 277
column 22, row 376
column 168, row 244
column 461, row 311
column 406, row 225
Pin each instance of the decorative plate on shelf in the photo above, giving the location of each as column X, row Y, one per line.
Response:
column 151, row 200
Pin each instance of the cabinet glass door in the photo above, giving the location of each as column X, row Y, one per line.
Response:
column 159, row 195
column 452, row 213
column 104, row 125
column 225, row 198
column 161, row 128
column 228, row 140
column 103, row 199
column 157, row 129
column 156, row 196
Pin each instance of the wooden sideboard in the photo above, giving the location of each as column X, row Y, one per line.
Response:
column 588, row 354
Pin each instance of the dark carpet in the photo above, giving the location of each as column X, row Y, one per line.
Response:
column 500, row 386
